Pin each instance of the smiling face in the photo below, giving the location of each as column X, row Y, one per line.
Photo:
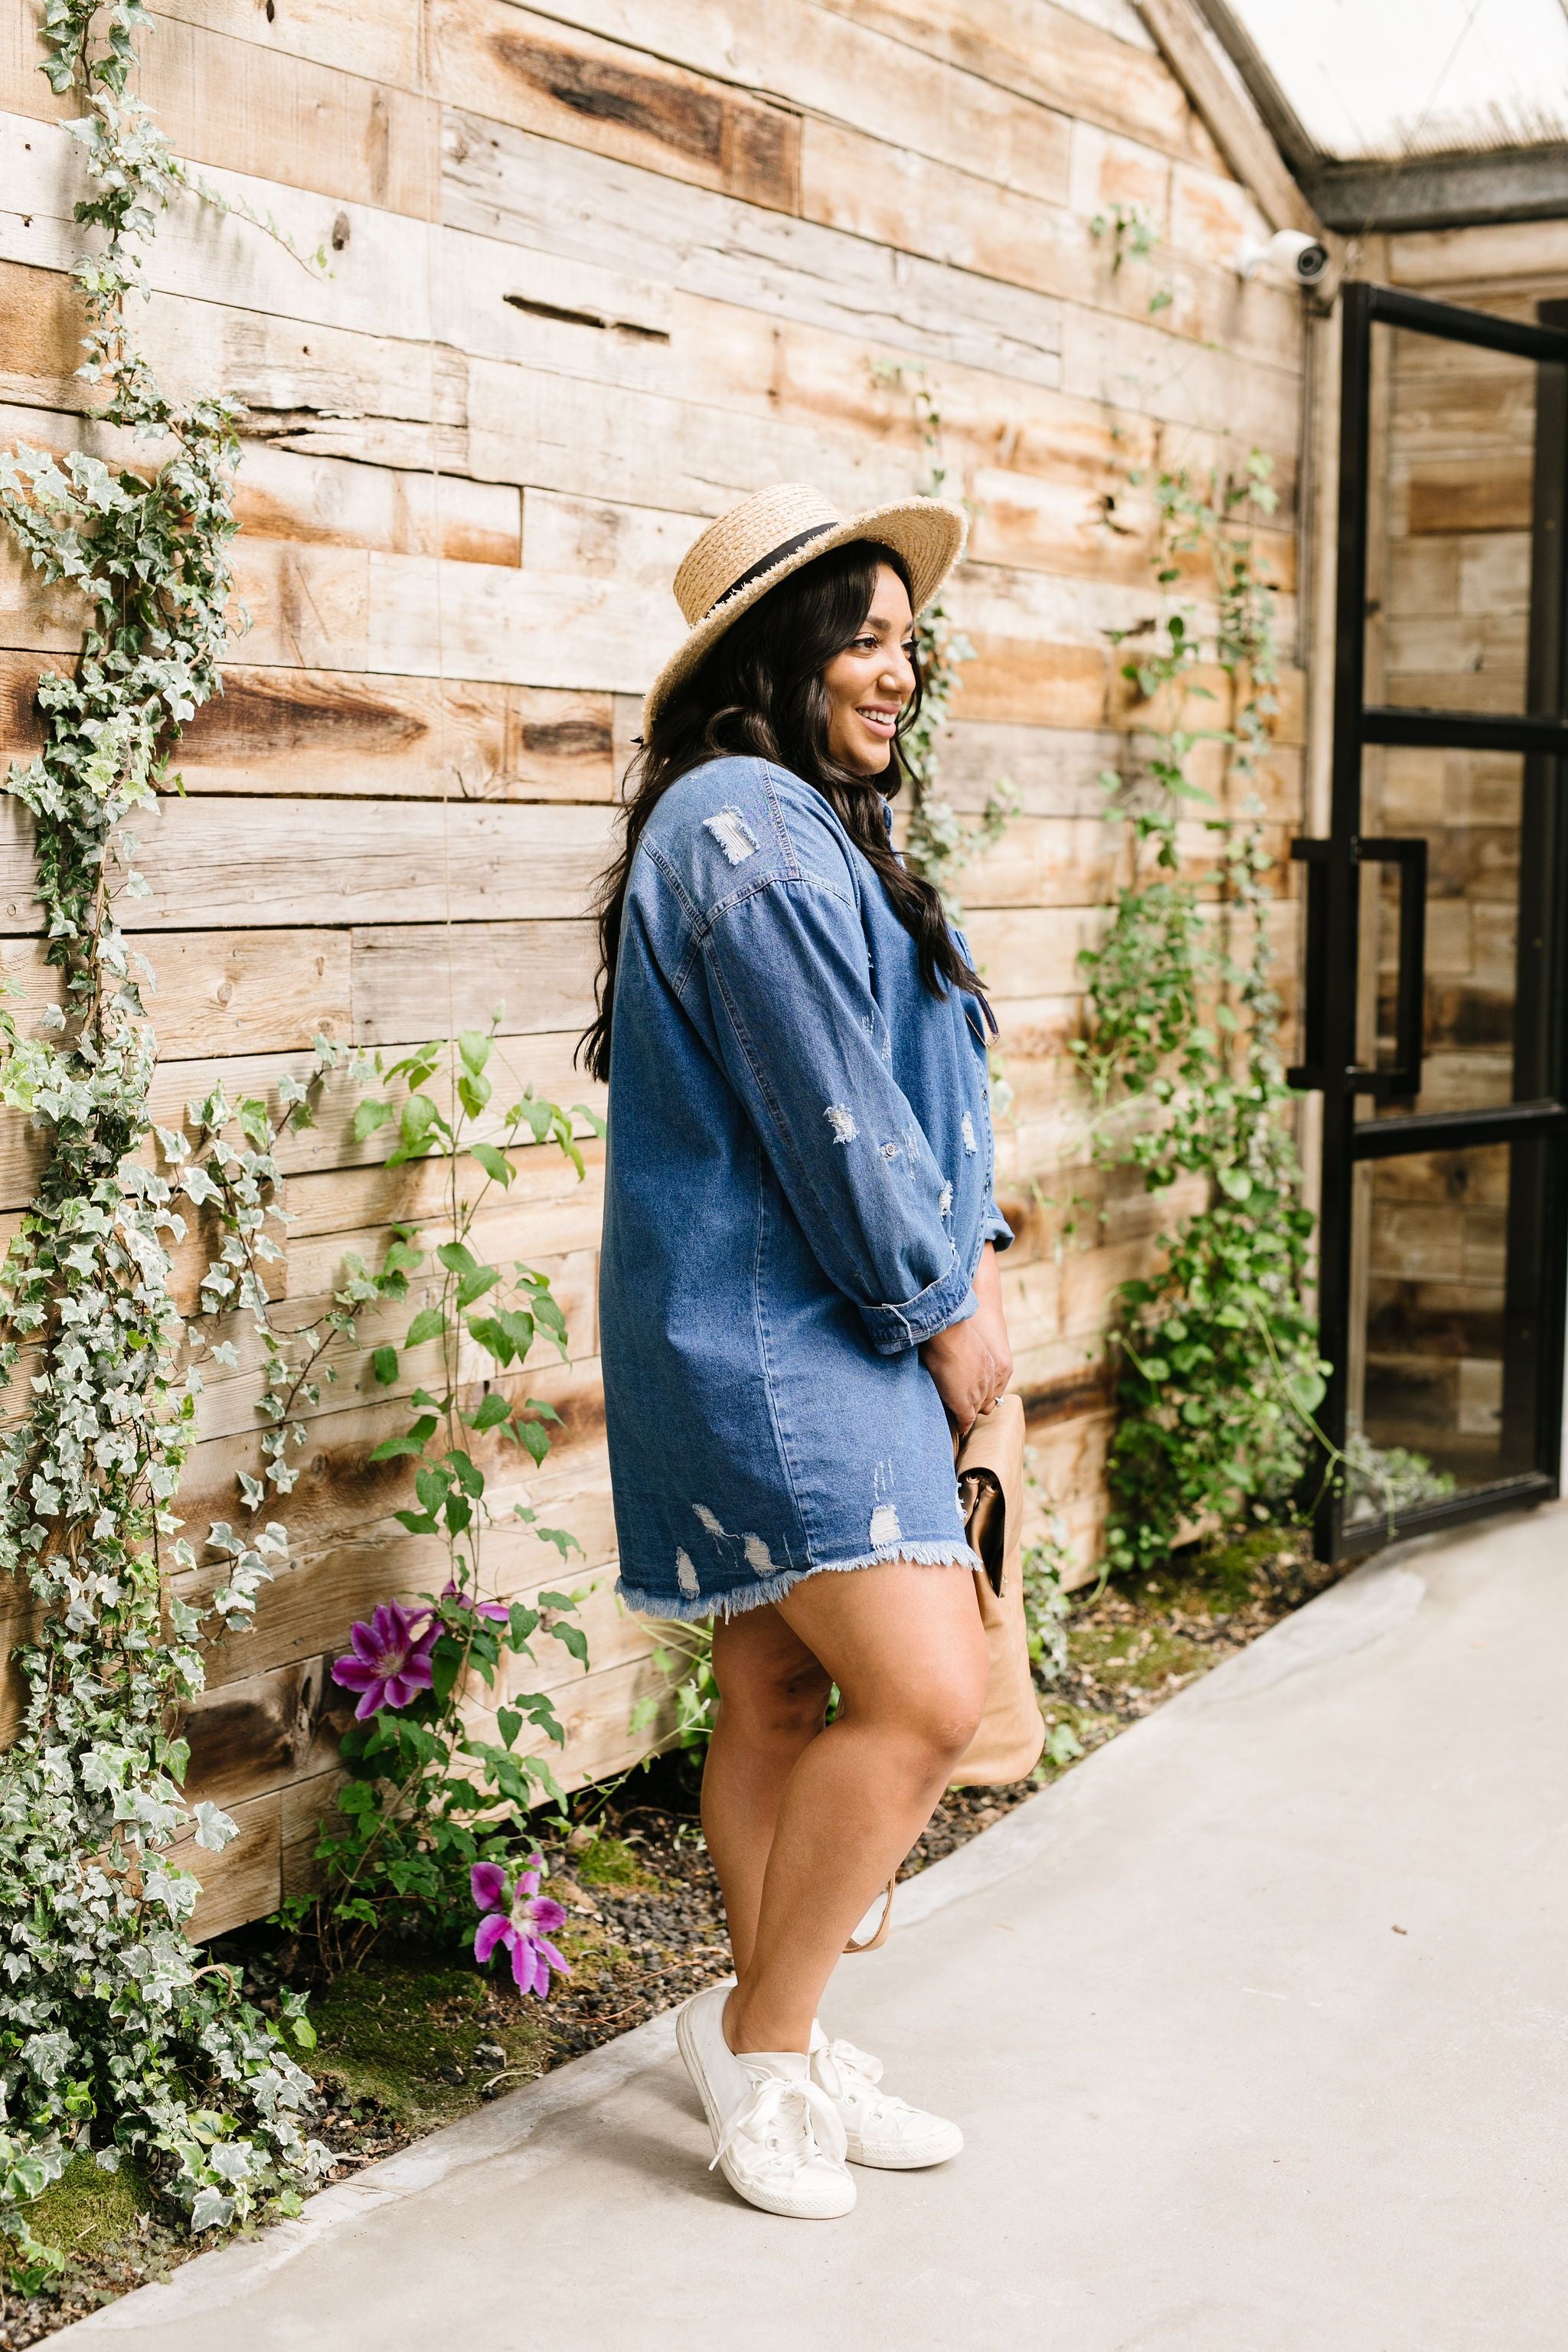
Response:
column 871, row 680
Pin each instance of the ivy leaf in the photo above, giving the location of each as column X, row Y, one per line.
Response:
column 1236, row 1181
column 383, row 1364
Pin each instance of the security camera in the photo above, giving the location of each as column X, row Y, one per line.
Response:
column 1288, row 248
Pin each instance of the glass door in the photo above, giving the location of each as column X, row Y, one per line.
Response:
column 1435, row 1015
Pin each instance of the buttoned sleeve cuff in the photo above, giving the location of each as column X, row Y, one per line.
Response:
column 896, row 1329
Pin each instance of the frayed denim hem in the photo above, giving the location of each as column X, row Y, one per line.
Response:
column 685, row 1606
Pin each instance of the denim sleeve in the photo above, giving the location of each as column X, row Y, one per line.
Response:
column 801, row 1036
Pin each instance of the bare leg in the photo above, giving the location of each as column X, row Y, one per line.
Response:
column 905, row 1648
column 773, row 1698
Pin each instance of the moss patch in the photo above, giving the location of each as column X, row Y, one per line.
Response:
column 405, row 2036
column 607, row 1861
column 87, row 2212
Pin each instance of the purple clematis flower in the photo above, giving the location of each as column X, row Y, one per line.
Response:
column 522, row 1919
column 496, row 1611
column 390, row 1660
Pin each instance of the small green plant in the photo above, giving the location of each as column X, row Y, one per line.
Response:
column 1220, row 1369
column 117, row 2043
column 428, row 1794
column 940, row 841
column 686, row 1655
column 1131, row 234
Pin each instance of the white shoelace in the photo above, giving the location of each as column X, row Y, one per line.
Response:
column 790, row 2119
column 857, row 2075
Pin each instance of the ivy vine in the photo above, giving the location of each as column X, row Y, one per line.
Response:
column 939, row 842
column 114, row 2038
column 1220, row 1372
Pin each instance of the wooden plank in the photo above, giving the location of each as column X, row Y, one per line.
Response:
column 509, row 184
column 428, row 281
column 905, row 202
column 336, row 734
column 383, row 43
column 643, row 449
column 230, row 102
column 541, row 975
column 602, row 539
column 1241, row 137
column 254, row 1736
column 1133, row 365
column 211, row 863
column 550, row 78
column 1491, row 492
column 246, row 1880
column 525, row 628
column 1062, row 60
column 232, row 991
column 840, row 69
column 309, row 1606
column 314, row 500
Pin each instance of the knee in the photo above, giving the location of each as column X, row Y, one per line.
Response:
column 774, row 1701
column 935, row 1719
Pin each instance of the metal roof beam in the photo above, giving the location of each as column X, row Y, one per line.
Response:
column 1441, row 191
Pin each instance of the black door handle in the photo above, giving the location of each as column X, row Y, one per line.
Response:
column 1402, row 1079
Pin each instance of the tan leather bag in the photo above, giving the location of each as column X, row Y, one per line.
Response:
column 1012, row 1732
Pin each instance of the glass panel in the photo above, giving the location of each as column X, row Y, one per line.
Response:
column 1432, row 75
column 1448, row 1255
column 1467, row 806
column 1451, row 482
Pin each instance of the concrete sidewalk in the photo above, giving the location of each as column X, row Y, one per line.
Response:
column 1256, row 2024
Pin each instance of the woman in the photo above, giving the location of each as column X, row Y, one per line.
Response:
column 800, row 1300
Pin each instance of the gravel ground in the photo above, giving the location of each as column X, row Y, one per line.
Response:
column 412, row 2041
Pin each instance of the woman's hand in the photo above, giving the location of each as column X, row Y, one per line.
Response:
column 972, row 1363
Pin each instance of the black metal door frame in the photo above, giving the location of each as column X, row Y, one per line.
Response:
column 1539, row 1220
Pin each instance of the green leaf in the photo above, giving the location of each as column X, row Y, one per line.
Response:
column 533, row 1439
column 467, row 1475
column 383, row 1364
column 508, row 1723
column 474, row 1286
column 368, row 1117
column 474, row 1046
column 1236, row 1181
column 415, row 1442
column 495, row 1163
column 429, row 1324
column 456, row 1258
column 492, row 1411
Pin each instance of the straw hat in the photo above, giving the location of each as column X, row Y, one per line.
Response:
column 760, row 542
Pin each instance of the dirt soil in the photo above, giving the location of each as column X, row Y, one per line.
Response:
column 414, row 2039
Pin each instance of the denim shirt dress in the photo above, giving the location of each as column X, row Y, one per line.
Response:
column 799, row 1186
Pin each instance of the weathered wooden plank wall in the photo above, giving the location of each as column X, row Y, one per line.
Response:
column 598, row 271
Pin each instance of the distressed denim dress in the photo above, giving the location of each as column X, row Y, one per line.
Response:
column 799, row 1187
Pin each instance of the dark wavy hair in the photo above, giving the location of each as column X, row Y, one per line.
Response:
column 760, row 691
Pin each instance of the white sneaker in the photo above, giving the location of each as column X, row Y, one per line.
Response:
column 878, row 2130
column 776, row 2135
